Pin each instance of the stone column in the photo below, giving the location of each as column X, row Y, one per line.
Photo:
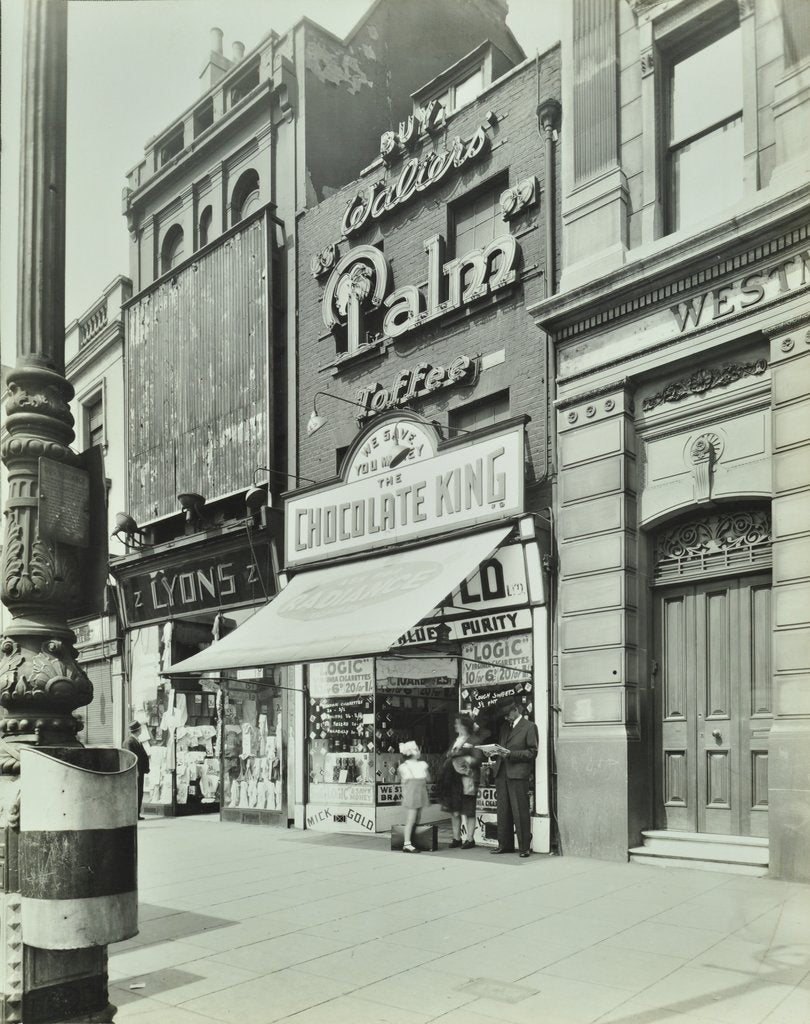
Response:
column 600, row 764
column 40, row 683
column 789, row 760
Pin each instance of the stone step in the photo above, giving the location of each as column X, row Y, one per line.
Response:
column 640, row 855
column 669, row 848
column 706, row 846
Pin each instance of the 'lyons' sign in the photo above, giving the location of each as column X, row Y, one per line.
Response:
column 362, row 279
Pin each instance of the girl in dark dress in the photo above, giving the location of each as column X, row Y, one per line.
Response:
column 460, row 778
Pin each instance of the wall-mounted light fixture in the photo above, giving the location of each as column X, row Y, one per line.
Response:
column 315, row 420
column 256, row 495
column 192, row 504
column 126, row 527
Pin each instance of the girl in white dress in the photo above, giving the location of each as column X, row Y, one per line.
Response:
column 414, row 776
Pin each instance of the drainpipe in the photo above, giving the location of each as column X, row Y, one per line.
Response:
column 548, row 118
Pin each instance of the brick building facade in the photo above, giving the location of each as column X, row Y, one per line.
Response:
column 413, row 284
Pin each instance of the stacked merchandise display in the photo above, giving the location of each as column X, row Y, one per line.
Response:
column 252, row 746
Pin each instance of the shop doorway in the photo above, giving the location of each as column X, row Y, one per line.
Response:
column 713, row 705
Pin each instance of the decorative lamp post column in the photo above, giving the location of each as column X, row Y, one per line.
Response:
column 41, row 684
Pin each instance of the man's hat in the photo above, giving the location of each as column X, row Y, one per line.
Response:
column 134, row 726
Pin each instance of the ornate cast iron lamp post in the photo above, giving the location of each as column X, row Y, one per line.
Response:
column 41, row 684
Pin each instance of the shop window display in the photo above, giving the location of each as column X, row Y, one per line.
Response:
column 182, row 730
column 341, row 732
column 492, row 673
column 360, row 710
column 252, row 749
column 417, row 699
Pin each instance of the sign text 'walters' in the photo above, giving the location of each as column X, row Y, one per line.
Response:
column 475, row 483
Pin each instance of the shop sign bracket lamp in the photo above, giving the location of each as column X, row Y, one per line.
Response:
column 256, row 495
column 315, row 420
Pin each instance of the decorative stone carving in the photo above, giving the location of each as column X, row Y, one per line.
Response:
column 647, row 63
column 723, row 532
column 514, row 200
column 704, row 380
column 389, row 147
column 704, row 451
column 745, row 8
column 323, row 262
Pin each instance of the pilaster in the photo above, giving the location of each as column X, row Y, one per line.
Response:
column 595, row 206
column 789, row 774
column 598, row 699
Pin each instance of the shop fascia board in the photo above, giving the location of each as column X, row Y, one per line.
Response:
column 502, row 426
column 670, row 256
column 694, row 349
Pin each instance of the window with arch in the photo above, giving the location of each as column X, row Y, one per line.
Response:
column 171, row 251
column 206, row 219
column 245, row 196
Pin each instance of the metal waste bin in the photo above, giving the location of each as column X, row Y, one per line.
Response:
column 78, row 846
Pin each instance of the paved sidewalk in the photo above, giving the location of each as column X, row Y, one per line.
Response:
column 247, row 925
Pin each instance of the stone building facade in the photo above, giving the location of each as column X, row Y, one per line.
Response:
column 680, row 335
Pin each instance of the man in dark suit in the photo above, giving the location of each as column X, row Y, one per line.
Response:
column 519, row 742
column 133, row 743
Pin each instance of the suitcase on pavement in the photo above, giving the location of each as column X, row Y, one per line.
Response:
column 425, row 837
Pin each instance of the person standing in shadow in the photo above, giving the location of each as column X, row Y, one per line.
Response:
column 133, row 744
column 514, row 756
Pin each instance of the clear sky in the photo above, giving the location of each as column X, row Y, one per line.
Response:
column 133, row 65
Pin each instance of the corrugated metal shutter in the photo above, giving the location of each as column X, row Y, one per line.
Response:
column 99, row 715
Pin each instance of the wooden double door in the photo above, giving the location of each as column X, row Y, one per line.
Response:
column 713, row 705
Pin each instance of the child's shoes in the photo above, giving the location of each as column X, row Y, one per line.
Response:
column 407, row 848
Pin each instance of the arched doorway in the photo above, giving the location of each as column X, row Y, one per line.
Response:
column 712, row 706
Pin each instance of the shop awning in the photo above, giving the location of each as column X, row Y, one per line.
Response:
column 348, row 610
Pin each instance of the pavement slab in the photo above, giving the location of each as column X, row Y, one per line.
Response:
column 248, row 925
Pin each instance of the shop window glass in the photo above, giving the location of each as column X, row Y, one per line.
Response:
column 252, row 745
column 493, row 672
column 361, row 709
column 182, row 727
column 341, row 736
column 417, row 699
column 705, row 131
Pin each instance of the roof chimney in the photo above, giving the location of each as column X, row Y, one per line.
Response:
column 237, row 51
column 217, row 64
